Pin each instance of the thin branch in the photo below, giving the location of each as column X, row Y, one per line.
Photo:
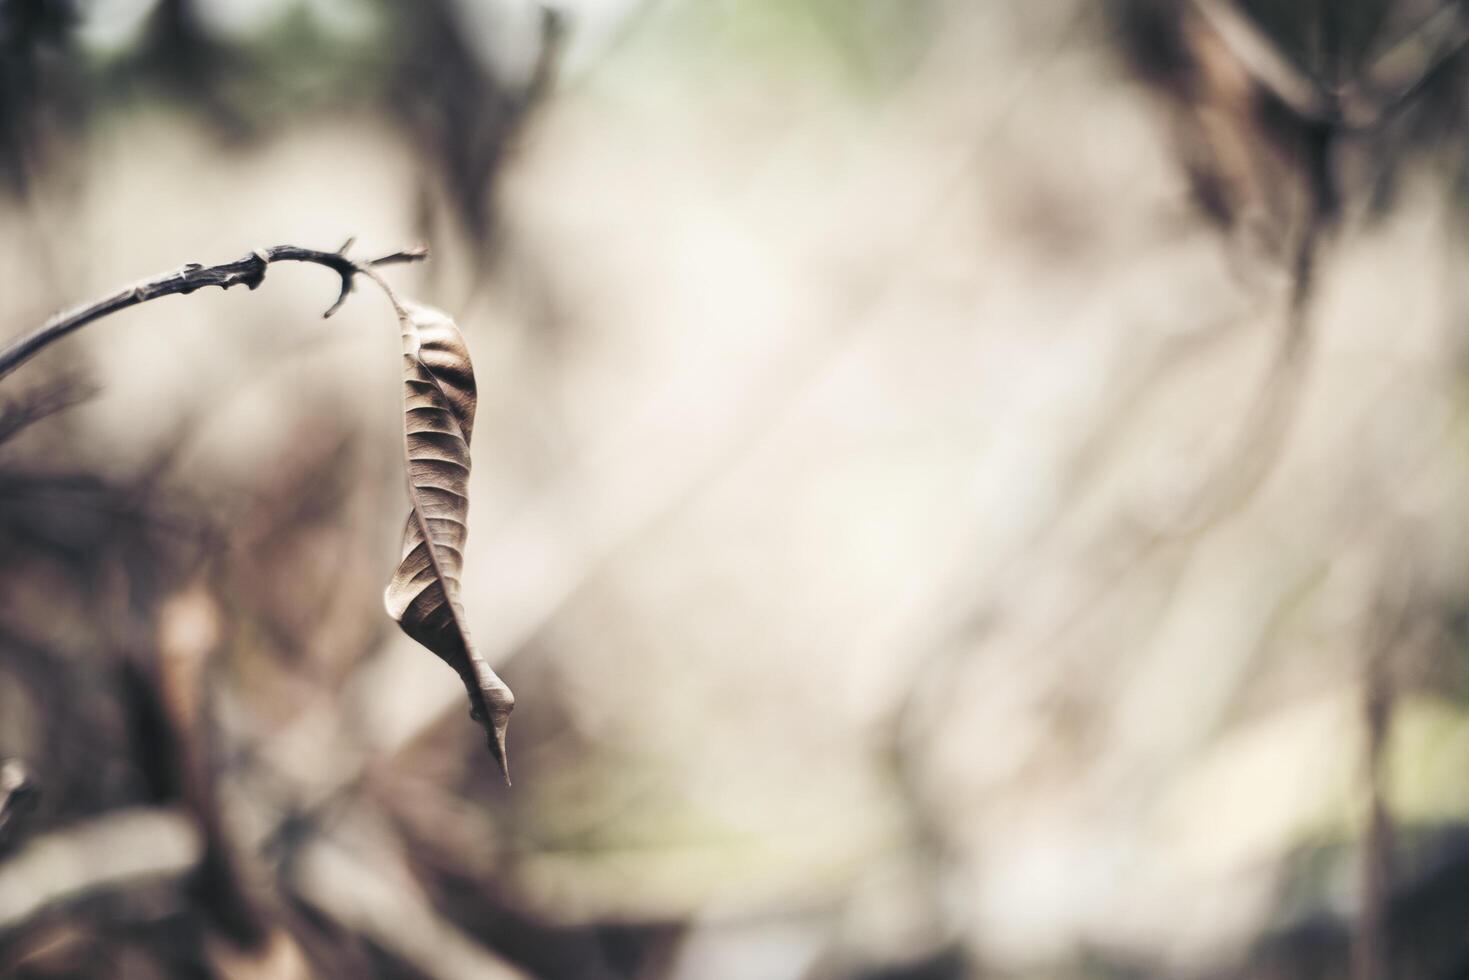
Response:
column 1411, row 65
column 248, row 271
column 374, row 894
column 32, row 406
column 1390, row 635
column 113, row 850
column 1262, row 58
column 1261, row 440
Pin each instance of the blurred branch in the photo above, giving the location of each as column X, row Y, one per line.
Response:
column 1258, row 54
column 1393, row 78
column 39, row 77
column 109, row 851
column 1411, row 65
column 1389, row 630
column 378, row 899
column 249, row 271
column 463, row 114
column 1268, row 423
column 32, row 406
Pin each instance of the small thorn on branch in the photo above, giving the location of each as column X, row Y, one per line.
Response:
column 342, row 296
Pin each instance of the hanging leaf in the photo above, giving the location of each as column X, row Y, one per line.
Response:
column 438, row 416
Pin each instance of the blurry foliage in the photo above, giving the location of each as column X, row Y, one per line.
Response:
column 40, row 85
column 461, row 112
column 1389, row 79
column 177, row 58
column 458, row 111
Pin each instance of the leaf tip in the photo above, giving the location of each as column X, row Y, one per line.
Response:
column 497, row 746
column 495, row 733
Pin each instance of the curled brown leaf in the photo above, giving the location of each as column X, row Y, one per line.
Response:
column 424, row 594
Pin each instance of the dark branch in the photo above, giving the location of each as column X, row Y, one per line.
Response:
column 248, row 271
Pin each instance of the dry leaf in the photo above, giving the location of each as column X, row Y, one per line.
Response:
column 438, row 416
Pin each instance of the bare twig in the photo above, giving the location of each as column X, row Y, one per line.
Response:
column 375, row 894
column 248, row 271
column 1262, row 58
column 109, row 851
column 1369, row 955
column 32, row 406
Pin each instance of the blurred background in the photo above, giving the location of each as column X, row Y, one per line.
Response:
column 962, row 489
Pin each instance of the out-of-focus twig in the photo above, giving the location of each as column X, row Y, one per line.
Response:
column 378, row 899
column 1268, row 423
column 122, row 847
column 32, row 406
column 1260, row 56
column 1388, row 632
column 1388, row 83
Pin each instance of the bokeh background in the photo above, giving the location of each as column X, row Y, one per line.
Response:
column 962, row 488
